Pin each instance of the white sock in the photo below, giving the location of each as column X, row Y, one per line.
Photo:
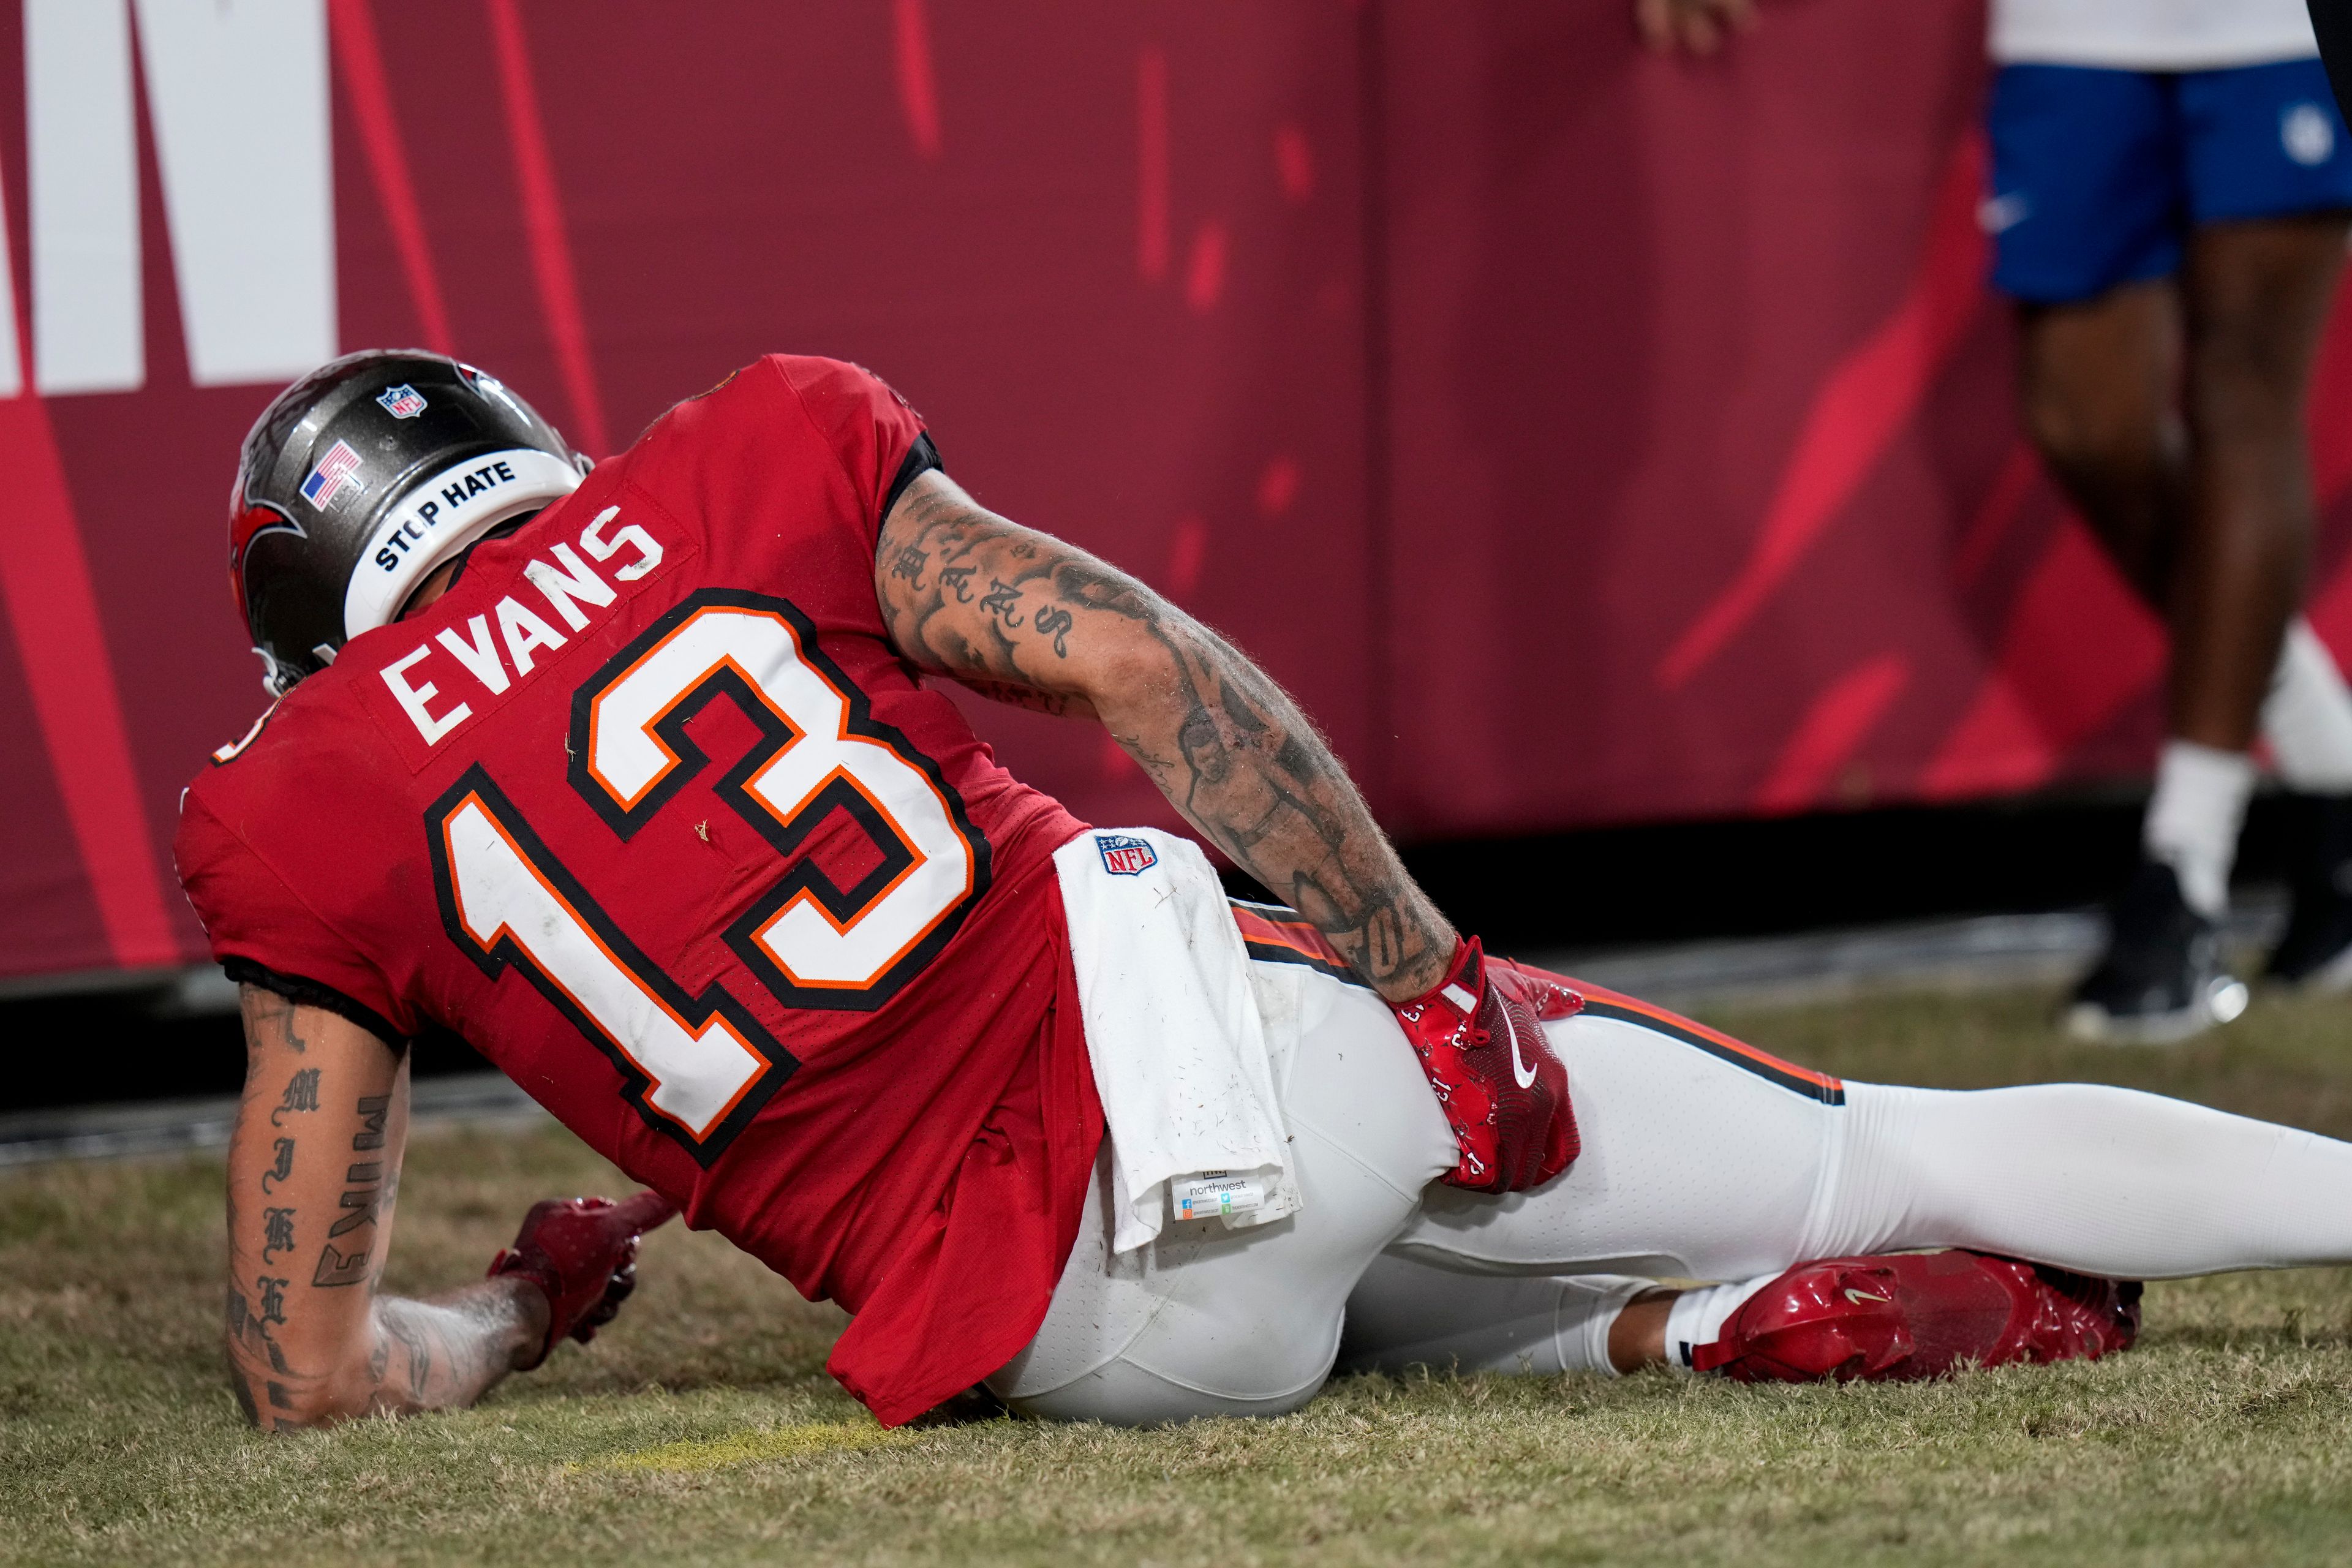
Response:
column 1404, row 1313
column 2194, row 816
column 1590, row 1306
column 2308, row 716
column 1697, row 1317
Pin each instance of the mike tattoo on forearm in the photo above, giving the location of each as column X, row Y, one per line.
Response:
column 314, row 1171
column 1022, row 617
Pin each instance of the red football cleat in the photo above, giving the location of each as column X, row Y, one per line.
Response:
column 1481, row 1040
column 1918, row 1315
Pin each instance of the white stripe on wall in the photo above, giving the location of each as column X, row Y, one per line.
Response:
column 237, row 93
column 84, row 157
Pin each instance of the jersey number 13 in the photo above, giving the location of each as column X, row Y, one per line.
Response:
column 698, row 1067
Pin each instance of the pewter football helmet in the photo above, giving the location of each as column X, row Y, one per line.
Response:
column 362, row 478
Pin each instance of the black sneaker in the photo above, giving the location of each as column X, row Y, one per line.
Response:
column 2162, row 979
column 2315, row 954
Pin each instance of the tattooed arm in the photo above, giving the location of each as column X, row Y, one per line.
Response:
column 313, row 1167
column 1022, row 617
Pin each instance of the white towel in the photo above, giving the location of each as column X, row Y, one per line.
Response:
column 1173, row 1031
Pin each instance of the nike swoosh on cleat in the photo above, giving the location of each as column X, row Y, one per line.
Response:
column 1859, row 1297
column 1520, row 1069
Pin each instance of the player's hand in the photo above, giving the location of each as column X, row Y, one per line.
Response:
column 1698, row 25
column 1481, row 1039
column 582, row 1252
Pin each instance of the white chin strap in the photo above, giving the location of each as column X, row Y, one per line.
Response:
column 441, row 515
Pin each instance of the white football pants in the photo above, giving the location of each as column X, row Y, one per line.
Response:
column 1698, row 1164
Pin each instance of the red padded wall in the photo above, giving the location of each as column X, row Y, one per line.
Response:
column 1583, row 437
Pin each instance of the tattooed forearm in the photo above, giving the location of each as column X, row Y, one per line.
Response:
column 314, row 1164
column 1020, row 617
column 1061, row 704
column 1246, row 767
column 447, row 1352
column 423, row 1355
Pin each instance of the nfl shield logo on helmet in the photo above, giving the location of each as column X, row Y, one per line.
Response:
column 1123, row 857
column 339, row 467
column 402, row 402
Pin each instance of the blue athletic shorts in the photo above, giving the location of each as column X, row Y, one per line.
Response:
column 2098, row 176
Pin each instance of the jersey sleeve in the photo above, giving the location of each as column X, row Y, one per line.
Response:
column 264, row 933
column 875, row 435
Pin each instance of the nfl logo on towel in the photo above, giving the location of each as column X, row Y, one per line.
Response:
column 339, row 467
column 1125, row 857
column 402, row 402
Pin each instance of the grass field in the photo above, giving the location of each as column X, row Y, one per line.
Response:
column 702, row 1428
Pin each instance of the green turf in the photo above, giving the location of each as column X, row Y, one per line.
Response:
column 702, row 1428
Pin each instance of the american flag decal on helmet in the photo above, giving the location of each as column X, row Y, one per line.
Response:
column 339, row 467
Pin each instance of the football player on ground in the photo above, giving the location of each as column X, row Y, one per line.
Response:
column 640, row 780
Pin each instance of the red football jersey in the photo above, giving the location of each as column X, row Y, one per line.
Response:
column 647, row 809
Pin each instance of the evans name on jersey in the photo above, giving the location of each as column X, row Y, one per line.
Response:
column 564, row 580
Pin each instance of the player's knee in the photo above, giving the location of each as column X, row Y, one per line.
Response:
column 2104, row 439
column 2245, row 383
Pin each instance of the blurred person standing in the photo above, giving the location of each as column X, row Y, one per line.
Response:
column 2171, row 189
